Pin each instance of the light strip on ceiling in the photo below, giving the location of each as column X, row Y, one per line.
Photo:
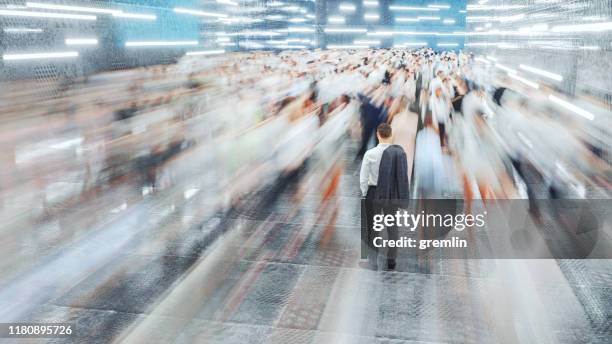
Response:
column 337, row 20
column 81, row 41
column 428, row 18
column 524, row 81
column 11, row 13
column 504, row 68
column 343, row 30
column 406, row 20
column 594, row 27
column 366, row 42
column 71, row 8
column 540, row 72
column 347, row 7
column 371, row 16
column 448, row 44
column 571, row 107
column 370, row 3
column 411, row 8
column 444, row 7
column 205, row 52
column 448, row 21
column 21, row 30
column 227, row 2
column 16, row 57
column 158, row 43
column 199, row 13
column 135, row 16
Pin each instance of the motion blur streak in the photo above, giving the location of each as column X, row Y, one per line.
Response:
column 216, row 199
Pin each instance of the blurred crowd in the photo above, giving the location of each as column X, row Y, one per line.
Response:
column 229, row 124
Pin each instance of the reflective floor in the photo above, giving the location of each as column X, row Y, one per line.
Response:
column 279, row 266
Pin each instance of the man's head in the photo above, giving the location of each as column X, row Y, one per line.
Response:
column 384, row 133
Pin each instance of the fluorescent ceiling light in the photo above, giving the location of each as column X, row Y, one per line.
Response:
column 428, row 18
column 158, row 43
column 371, row 16
column 347, row 7
column 135, row 16
column 504, row 68
column 223, row 39
column 296, row 20
column 571, row 107
column 544, row 73
column 227, row 2
column 81, row 41
column 448, row 44
column 439, row 6
column 199, row 13
column 16, row 57
column 370, row 3
column 21, row 30
column 411, row 8
column 448, row 21
column 205, row 52
column 11, row 13
column 226, row 44
column 594, row 27
column 342, row 29
column 300, row 29
column 406, row 20
column 366, row 42
column 71, row 8
column 494, row 8
column 275, row 4
column 337, row 20
column 524, row 81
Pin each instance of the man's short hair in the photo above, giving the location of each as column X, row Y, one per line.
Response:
column 384, row 130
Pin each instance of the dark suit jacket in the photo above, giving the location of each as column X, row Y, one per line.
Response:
column 393, row 175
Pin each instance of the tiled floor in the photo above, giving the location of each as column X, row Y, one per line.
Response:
column 280, row 267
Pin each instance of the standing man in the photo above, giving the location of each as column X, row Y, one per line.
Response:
column 369, row 178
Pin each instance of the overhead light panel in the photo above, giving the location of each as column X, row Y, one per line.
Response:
column 38, row 56
column 21, row 30
column 336, row 20
column 371, row 16
column 524, row 81
column 135, row 16
column 412, row 8
column 444, row 7
column 594, row 27
column 406, row 20
column 11, row 13
column 71, row 8
column 370, row 3
column 448, row 21
column 227, row 2
column 158, row 43
column 343, row 30
column 541, row 72
column 347, row 7
column 199, row 13
column 571, row 107
column 428, row 18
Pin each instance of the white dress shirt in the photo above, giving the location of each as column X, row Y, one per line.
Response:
column 369, row 167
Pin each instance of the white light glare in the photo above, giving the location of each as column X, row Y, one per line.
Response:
column 338, row 20
column 342, row 29
column 447, row 44
column 347, row 7
column 199, row 13
column 406, row 20
column 544, row 73
column 439, row 6
column 370, row 3
column 448, row 21
column 428, row 18
column 571, row 107
column 411, row 8
column 525, row 81
column 371, row 16
column 21, row 30
column 11, row 13
column 205, row 52
column 347, row 46
column 366, row 42
column 71, row 8
column 595, row 27
column 227, row 2
column 81, row 41
column 504, row 68
column 159, row 43
column 16, row 57
column 135, row 16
